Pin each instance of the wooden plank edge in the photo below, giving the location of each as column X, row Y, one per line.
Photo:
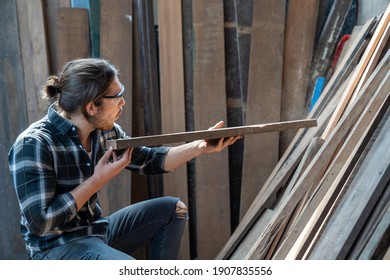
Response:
column 153, row 140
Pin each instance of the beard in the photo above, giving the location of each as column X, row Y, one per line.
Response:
column 101, row 123
column 103, row 119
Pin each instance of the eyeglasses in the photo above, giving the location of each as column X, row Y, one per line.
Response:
column 119, row 95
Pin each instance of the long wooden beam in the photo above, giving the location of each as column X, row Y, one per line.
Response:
column 153, row 140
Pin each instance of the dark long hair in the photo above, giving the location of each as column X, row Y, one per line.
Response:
column 81, row 81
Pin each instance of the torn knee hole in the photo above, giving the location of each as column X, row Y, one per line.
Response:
column 181, row 209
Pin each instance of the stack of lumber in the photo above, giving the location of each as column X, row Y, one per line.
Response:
column 328, row 196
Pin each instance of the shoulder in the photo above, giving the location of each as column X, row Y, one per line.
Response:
column 36, row 136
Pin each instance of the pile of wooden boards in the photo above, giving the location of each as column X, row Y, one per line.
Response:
column 328, row 196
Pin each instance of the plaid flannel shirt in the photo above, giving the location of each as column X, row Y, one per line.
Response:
column 46, row 162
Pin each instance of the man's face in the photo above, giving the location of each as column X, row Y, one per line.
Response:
column 110, row 108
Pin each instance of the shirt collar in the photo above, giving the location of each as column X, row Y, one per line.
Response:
column 62, row 124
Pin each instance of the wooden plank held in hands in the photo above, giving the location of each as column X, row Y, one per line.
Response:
column 153, row 140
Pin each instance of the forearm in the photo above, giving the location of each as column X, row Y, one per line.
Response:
column 181, row 154
column 86, row 190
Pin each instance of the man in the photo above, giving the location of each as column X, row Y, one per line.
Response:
column 59, row 164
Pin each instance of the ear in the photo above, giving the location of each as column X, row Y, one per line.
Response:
column 91, row 109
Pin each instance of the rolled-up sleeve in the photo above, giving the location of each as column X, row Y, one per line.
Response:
column 148, row 160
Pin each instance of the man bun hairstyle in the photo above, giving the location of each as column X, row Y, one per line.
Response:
column 51, row 90
column 81, row 81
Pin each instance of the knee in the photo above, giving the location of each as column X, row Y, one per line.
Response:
column 181, row 210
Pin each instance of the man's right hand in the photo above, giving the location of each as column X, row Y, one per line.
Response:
column 110, row 165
